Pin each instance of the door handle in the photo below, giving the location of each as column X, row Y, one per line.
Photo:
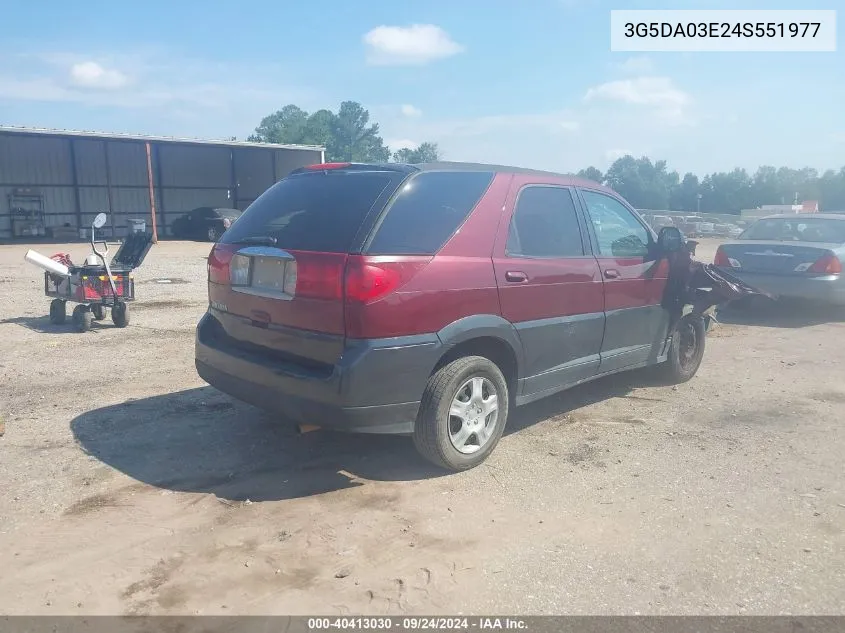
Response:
column 516, row 276
column 611, row 273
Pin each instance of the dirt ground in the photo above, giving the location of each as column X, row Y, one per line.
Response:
column 129, row 487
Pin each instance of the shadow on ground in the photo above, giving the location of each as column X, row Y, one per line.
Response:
column 42, row 325
column 780, row 314
column 200, row 440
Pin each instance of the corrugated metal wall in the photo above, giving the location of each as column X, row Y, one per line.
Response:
column 78, row 177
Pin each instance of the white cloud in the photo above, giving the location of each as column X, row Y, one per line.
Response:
column 90, row 74
column 637, row 66
column 657, row 91
column 413, row 45
column 411, row 111
column 401, row 143
column 154, row 81
column 669, row 102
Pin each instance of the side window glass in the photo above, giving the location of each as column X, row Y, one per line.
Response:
column 618, row 232
column 544, row 224
column 427, row 211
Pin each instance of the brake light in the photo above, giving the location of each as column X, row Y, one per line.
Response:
column 218, row 263
column 368, row 282
column 721, row 258
column 827, row 265
column 370, row 279
column 325, row 166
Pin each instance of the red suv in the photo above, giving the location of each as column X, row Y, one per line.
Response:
column 429, row 299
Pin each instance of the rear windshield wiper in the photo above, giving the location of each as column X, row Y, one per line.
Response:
column 259, row 240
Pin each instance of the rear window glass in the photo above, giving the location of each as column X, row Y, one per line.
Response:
column 797, row 230
column 312, row 212
column 427, row 211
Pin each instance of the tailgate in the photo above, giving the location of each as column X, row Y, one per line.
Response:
column 276, row 277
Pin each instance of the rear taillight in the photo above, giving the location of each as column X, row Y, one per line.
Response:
column 367, row 282
column 218, row 263
column 723, row 260
column 827, row 265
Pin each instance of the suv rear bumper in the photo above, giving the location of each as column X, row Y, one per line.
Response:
column 375, row 387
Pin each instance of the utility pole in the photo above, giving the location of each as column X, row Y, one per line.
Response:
column 698, row 204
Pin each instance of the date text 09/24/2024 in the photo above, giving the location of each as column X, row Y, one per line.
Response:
column 417, row 624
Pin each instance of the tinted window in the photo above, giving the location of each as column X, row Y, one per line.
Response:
column 618, row 232
column 319, row 211
column 427, row 211
column 797, row 230
column 544, row 224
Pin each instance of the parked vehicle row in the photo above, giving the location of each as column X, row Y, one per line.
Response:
column 695, row 226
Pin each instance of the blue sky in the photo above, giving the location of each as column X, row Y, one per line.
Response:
column 531, row 84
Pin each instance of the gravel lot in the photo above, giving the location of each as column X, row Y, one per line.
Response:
column 130, row 487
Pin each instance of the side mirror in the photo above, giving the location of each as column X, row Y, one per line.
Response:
column 670, row 240
column 100, row 221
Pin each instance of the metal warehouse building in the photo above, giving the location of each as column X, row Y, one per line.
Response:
column 53, row 182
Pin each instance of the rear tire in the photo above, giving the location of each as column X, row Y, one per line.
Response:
column 99, row 312
column 120, row 315
column 463, row 413
column 58, row 312
column 82, row 318
column 686, row 351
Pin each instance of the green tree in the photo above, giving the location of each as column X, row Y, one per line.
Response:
column 319, row 130
column 592, row 173
column 424, row 153
column 684, row 197
column 727, row 192
column 347, row 135
column 357, row 139
column 644, row 184
column 288, row 125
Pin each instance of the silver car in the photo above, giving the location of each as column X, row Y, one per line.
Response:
column 790, row 256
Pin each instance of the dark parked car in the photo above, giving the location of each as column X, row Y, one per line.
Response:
column 205, row 223
column 428, row 300
column 797, row 256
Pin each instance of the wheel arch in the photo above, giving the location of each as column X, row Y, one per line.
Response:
column 489, row 336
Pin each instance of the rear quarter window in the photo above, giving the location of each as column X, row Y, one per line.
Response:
column 426, row 212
